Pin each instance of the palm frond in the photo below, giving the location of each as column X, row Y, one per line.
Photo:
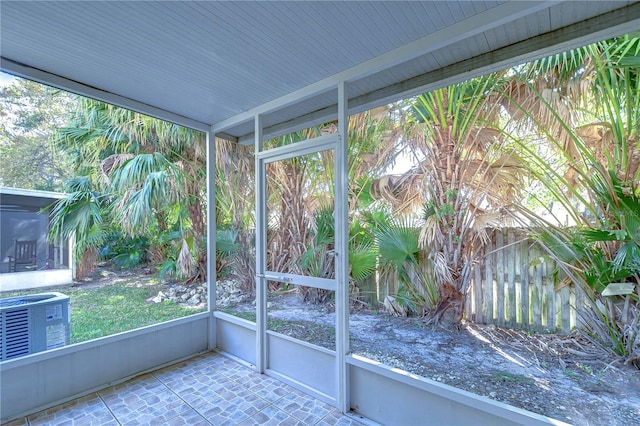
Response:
column 362, row 260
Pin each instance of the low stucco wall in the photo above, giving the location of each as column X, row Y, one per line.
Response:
column 35, row 279
column 39, row 381
column 391, row 396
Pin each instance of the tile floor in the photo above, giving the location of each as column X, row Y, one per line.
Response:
column 207, row 390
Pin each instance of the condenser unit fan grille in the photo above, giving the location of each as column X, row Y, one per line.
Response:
column 16, row 333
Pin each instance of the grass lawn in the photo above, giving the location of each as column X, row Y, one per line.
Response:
column 104, row 310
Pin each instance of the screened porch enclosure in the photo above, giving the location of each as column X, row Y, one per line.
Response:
column 28, row 259
column 241, row 72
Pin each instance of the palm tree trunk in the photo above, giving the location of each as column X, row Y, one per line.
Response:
column 288, row 244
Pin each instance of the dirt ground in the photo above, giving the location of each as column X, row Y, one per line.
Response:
column 553, row 375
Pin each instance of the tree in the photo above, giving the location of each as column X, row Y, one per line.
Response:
column 151, row 172
column 300, row 193
column 80, row 216
column 31, row 112
column 235, row 218
column 597, row 181
column 465, row 174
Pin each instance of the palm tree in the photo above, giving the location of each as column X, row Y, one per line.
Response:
column 235, row 208
column 594, row 175
column 400, row 253
column 298, row 190
column 151, row 171
column 465, row 174
column 291, row 188
column 585, row 105
column 81, row 215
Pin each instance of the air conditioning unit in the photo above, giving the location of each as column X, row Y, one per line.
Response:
column 33, row 324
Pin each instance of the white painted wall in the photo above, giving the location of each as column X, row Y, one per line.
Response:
column 27, row 280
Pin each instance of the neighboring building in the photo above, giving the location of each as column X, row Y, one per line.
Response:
column 22, row 219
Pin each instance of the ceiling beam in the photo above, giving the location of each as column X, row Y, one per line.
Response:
column 611, row 24
column 227, row 137
column 49, row 79
column 491, row 18
column 599, row 28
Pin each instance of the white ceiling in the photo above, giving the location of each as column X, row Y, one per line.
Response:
column 220, row 63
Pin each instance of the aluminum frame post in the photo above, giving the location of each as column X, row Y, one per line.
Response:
column 211, row 237
column 261, row 252
column 341, row 213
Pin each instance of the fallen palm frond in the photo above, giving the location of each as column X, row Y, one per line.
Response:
column 186, row 263
column 601, row 327
column 395, row 308
column 575, row 348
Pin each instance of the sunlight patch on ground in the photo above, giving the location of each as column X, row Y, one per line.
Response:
column 502, row 353
column 542, row 383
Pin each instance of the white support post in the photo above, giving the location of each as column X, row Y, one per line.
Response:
column 261, row 251
column 72, row 258
column 211, row 236
column 60, row 253
column 342, row 254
